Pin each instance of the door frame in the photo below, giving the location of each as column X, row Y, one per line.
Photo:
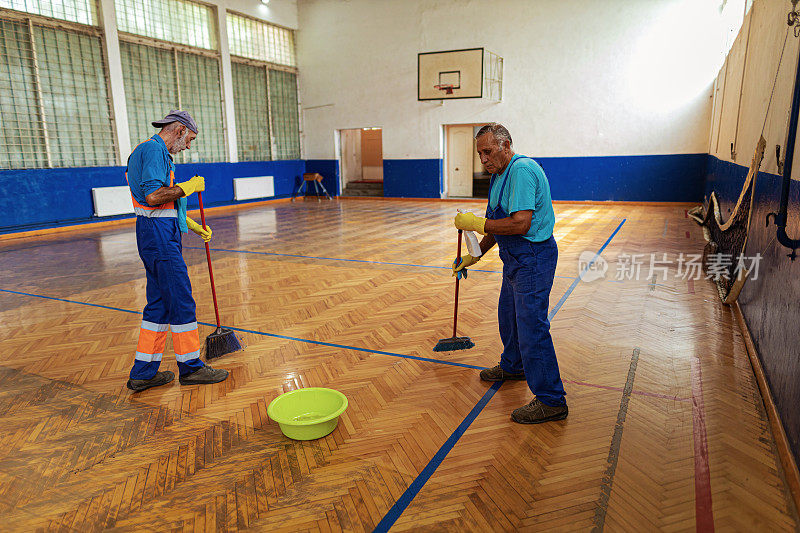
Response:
column 338, row 146
column 445, row 160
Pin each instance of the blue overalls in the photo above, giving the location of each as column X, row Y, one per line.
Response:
column 170, row 305
column 528, row 272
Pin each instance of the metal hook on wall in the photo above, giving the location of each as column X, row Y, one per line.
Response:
column 780, row 218
column 793, row 19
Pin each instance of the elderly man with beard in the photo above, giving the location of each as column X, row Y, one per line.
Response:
column 160, row 207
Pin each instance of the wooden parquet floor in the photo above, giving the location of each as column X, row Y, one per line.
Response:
column 666, row 432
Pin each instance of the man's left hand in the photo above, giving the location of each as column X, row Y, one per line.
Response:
column 205, row 233
column 470, row 222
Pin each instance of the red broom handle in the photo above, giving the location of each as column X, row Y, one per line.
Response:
column 455, row 310
column 208, row 258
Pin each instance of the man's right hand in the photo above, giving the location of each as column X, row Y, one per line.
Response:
column 197, row 183
column 464, row 262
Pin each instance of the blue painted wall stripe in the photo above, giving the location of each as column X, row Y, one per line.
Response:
column 638, row 178
column 329, row 170
column 61, row 196
column 412, row 178
column 645, row 178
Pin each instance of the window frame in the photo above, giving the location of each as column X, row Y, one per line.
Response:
column 278, row 66
column 67, row 26
column 273, row 66
column 215, row 30
column 176, row 48
column 7, row 11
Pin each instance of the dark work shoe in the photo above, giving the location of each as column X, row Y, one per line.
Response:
column 536, row 412
column 498, row 374
column 204, row 376
column 161, row 378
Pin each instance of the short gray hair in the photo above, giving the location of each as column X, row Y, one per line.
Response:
column 172, row 126
column 498, row 130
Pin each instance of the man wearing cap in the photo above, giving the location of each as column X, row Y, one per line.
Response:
column 160, row 207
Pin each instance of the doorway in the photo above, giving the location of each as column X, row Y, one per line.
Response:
column 361, row 161
column 466, row 177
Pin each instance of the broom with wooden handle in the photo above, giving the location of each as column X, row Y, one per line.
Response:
column 455, row 343
column 222, row 341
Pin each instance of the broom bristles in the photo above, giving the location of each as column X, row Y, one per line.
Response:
column 453, row 343
column 221, row 342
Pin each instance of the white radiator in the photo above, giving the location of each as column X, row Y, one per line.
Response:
column 256, row 187
column 112, row 201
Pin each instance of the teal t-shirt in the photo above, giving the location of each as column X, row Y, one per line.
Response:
column 527, row 189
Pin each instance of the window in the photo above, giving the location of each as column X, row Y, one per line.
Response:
column 80, row 11
column 265, row 94
column 202, row 98
column 258, row 40
column 252, row 112
column 185, row 81
column 54, row 106
column 177, row 21
column 285, row 119
column 151, row 99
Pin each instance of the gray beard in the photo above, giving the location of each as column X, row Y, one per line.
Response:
column 180, row 144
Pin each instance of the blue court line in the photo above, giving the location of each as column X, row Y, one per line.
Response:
column 70, row 301
column 411, row 492
column 400, row 505
column 578, row 279
column 345, row 347
column 255, row 332
column 422, row 478
column 233, row 251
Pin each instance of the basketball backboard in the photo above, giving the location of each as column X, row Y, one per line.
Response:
column 450, row 74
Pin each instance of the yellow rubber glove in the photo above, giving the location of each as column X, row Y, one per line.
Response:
column 464, row 262
column 197, row 228
column 197, row 183
column 470, row 222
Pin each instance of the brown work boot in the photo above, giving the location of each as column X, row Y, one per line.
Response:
column 204, row 376
column 498, row 374
column 536, row 412
column 161, row 378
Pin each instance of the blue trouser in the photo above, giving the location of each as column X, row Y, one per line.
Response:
column 528, row 272
column 169, row 300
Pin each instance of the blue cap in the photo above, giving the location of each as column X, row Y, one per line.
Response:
column 177, row 116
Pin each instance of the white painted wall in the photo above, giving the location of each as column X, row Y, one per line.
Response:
column 596, row 77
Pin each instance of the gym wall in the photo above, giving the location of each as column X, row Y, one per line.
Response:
column 613, row 98
column 769, row 303
column 46, row 197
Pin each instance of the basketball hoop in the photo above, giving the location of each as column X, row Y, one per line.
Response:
column 446, row 87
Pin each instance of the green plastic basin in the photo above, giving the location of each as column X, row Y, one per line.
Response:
column 307, row 414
